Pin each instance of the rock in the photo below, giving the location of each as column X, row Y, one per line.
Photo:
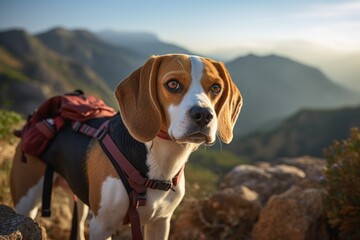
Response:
column 15, row 226
column 13, row 236
column 297, row 214
column 264, row 179
column 313, row 167
column 227, row 214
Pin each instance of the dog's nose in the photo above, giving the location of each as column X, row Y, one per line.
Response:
column 202, row 116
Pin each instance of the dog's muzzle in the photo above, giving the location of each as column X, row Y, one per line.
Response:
column 201, row 116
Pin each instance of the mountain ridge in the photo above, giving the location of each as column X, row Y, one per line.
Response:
column 307, row 132
column 146, row 43
column 40, row 73
column 111, row 62
column 275, row 87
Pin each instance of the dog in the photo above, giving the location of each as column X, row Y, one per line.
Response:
column 190, row 99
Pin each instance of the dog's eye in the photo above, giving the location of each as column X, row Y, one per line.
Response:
column 215, row 89
column 173, row 85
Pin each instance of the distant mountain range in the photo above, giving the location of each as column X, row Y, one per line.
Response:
column 307, row 132
column 33, row 68
column 146, row 43
column 111, row 63
column 339, row 64
column 275, row 87
column 30, row 72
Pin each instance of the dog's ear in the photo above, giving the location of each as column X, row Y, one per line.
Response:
column 229, row 105
column 138, row 101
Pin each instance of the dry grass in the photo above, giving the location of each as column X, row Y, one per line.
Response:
column 6, row 153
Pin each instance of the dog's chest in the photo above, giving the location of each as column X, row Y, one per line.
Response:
column 161, row 204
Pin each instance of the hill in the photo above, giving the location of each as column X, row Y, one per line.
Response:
column 275, row 87
column 111, row 62
column 146, row 43
column 30, row 72
column 307, row 132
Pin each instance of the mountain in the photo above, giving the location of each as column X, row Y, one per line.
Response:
column 146, row 43
column 30, row 72
column 110, row 62
column 275, row 87
column 307, row 132
column 340, row 64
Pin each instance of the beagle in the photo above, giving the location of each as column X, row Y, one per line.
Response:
column 189, row 98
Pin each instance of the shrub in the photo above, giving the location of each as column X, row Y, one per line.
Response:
column 342, row 185
column 8, row 122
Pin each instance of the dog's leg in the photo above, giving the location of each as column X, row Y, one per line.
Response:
column 26, row 183
column 82, row 208
column 158, row 229
column 111, row 209
column 98, row 231
column 82, row 211
column 28, row 205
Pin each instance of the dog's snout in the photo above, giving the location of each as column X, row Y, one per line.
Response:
column 202, row 116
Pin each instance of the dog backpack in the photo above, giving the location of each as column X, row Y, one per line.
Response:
column 52, row 115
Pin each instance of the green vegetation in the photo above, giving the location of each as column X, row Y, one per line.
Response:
column 206, row 168
column 8, row 122
column 13, row 75
column 342, row 185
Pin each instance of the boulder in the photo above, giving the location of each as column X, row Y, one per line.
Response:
column 227, row 214
column 15, row 226
column 264, row 179
column 297, row 214
column 313, row 167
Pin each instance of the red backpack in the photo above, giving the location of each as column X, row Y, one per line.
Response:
column 51, row 116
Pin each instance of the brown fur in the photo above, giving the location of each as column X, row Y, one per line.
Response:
column 230, row 102
column 150, row 105
column 98, row 168
column 19, row 171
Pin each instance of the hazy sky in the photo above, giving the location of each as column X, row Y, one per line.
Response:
column 198, row 24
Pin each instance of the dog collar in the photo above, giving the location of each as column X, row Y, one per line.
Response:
column 162, row 134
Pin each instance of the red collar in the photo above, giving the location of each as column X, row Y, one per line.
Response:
column 162, row 134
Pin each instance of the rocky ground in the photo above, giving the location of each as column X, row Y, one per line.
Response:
column 265, row 201
column 282, row 200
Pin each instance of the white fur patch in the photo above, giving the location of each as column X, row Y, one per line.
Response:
column 29, row 204
column 114, row 204
column 195, row 96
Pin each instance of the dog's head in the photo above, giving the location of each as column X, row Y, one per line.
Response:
column 190, row 98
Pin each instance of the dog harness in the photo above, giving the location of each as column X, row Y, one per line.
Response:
column 134, row 182
column 79, row 110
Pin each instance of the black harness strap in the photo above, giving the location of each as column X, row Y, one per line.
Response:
column 47, row 191
column 46, row 200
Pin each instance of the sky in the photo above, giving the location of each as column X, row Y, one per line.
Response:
column 198, row 25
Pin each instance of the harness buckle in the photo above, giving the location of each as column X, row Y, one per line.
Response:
column 100, row 133
column 163, row 185
column 137, row 199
